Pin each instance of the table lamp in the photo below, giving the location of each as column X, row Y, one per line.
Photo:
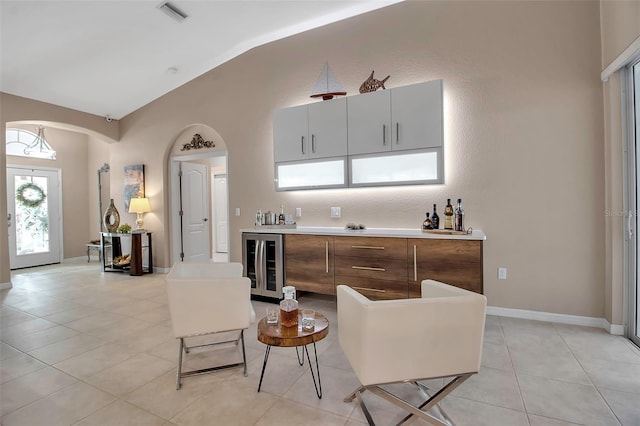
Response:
column 139, row 206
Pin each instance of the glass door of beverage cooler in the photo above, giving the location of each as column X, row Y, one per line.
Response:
column 262, row 257
column 250, row 249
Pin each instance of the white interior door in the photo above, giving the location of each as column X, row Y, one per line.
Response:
column 221, row 213
column 34, row 207
column 195, row 212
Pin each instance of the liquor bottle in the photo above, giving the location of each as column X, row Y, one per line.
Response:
column 459, row 216
column 427, row 224
column 448, row 215
column 289, row 307
column 435, row 219
column 281, row 215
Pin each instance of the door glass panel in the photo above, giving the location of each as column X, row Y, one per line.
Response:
column 251, row 247
column 270, row 256
column 31, row 215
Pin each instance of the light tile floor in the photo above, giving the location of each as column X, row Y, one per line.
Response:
column 81, row 347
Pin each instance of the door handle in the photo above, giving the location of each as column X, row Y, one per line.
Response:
column 205, row 219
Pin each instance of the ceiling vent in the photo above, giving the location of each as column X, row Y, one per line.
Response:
column 173, row 11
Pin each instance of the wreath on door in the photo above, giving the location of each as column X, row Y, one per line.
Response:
column 30, row 195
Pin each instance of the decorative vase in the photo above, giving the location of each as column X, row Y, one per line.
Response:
column 111, row 217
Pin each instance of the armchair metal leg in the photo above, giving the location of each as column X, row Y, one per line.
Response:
column 182, row 347
column 179, row 373
column 415, row 412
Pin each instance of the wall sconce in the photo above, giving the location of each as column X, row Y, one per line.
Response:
column 139, row 206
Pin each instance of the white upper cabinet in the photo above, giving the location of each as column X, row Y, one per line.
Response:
column 403, row 118
column 306, row 132
column 369, row 126
column 416, row 116
column 290, row 133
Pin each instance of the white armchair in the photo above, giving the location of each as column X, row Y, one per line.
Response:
column 208, row 298
column 407, row 340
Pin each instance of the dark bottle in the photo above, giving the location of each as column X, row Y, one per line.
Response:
column 281, row 215
column 459, row 216
column 435, row 219
column 448, row 215
column 427, row 224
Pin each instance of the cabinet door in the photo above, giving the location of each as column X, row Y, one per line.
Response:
column 369, row 127
column 290, row 129
column 453, row 262
column 416, row 116
column 308, row 261
column 328, row 129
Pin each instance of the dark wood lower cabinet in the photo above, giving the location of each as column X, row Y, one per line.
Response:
column 453, row 262
column 308, row 263
column 380, row 268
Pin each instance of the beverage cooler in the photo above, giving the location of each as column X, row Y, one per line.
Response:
column 262, row 258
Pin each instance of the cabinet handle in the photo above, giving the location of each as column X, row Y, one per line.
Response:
column 384, row 134
column 302, row 144
column 397, row 132
column 415, row 263
column 313, row 144
column 369, row 289
column 368, row 268
column 368, row 247
column 326, row 257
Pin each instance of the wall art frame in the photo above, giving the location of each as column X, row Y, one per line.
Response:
column 133, row 183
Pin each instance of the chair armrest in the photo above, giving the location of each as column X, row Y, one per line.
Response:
column 393, row 340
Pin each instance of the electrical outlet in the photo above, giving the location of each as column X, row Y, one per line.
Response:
column 298, row 212
column 335, row 212
column 502, row 273
column 237, row 211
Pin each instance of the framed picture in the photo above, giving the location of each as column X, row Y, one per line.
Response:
column 133, row 183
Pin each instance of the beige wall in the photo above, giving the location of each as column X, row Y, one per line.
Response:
column 620, row 26
column 523, row 138
column 523, row 135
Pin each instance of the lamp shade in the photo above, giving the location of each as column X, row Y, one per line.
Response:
column 139, row 205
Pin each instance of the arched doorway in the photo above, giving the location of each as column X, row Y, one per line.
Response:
column 198, row 205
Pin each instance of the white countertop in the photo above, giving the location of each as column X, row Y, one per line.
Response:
column 371, row 232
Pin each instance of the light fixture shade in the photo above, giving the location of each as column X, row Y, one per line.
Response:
column 139, row 205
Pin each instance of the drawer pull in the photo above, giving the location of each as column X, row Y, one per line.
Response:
column 368, row 268
column 369, row 289
column 368, row 247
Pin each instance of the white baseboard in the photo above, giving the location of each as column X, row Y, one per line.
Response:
column 161, row 270
column 5, row 286
column 559, row 318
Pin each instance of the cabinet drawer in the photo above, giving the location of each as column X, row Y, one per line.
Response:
column 371, row 247
column 377, row 269
column 375, row 289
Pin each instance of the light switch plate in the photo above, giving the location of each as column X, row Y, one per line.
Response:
column 502, row 273
column 335, row 212
column 298, row 212
column 237, row 211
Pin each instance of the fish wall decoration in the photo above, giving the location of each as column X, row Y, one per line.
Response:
column 371, row 84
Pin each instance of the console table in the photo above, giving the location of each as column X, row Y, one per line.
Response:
column 137, row 245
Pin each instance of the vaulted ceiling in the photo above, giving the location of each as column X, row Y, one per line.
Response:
column 112, row 57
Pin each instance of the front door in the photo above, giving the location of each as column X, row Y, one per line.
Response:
column 195, row 212
column 34, row 205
